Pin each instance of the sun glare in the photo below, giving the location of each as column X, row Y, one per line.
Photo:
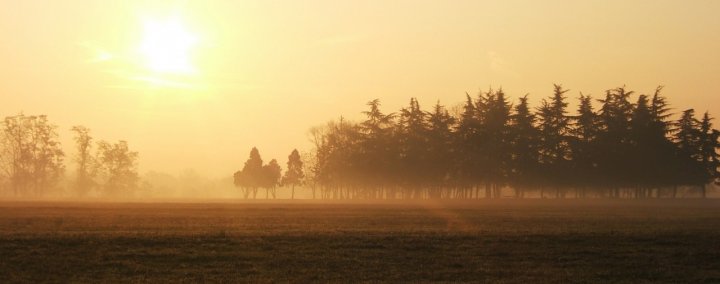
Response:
column 166, row 47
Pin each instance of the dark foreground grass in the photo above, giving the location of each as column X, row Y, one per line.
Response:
column 506, row 241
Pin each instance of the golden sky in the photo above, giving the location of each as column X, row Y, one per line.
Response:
column 238, row 74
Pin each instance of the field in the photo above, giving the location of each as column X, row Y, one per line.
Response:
column 507, row 241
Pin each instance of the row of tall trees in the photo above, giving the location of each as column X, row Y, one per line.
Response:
column 627, row 147
column 32, row 161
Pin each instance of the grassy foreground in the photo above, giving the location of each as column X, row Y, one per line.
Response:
column 509, row 241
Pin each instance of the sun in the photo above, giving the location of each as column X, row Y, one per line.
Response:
column 166, row 46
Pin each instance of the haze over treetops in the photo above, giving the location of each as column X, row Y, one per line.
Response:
column 212, row 79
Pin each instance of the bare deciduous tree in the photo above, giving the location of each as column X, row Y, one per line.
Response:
column 32, row 157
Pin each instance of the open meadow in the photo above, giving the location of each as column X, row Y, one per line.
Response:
column 508, row 241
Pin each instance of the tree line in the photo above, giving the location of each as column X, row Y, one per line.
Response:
column 32, row 161
column 626, row 148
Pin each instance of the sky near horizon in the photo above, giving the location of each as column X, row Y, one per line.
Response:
column 238, row 74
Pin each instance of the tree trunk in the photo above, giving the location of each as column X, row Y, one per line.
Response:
column 293, row 192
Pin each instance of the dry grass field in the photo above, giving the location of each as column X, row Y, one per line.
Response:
column 508, row 241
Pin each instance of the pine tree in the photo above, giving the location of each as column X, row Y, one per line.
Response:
column 525, row 148
column 496, row 140
column 688, row 139
column 379, row 157
column 614, row 140
column 440, row 151
column 664, row 157
column 709, row 145
column 554, row 127
column 412, row 135
column 583, row 144
column 641, row 139
column 467, row 154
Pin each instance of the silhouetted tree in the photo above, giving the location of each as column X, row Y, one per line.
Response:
column 525, row 171
column 439, row 149
column 688, row 140
column 249, row 178
column 709, row 145
column 614, row 140
column 86, row 170
column 497, row 141
column 270, row 177
column 294, row 174
column 413, row 161
column 583, row 146
column 641, row 147
column 554, row 127
column 467, row 147
column 32, row 156
column 118, row 167
column 662, row 162
column 343, row 163
column 377, row 154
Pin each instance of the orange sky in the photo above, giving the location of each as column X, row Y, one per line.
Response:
column 266, row 71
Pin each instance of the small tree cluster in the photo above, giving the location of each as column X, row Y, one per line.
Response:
column 111, row 170
column 255, row 175
column 31, row 157
column 32, row 160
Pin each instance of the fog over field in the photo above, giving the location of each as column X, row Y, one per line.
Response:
column 260, row 74
column 336, row 141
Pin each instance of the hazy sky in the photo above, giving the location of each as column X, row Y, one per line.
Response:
column 260, row 73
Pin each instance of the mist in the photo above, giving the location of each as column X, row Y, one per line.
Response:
column 341, row 141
